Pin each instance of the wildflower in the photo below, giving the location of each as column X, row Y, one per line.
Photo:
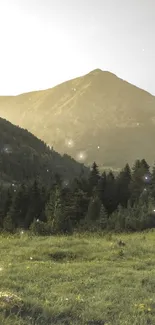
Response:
column 79, row 298
column 141, row 306
column 149, row 309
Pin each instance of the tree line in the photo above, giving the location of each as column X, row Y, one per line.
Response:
column 107, row 202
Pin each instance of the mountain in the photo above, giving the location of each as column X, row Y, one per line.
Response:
column 24, row 157
column 94, row 117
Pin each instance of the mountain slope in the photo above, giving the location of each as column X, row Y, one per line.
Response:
column 23, row 156
column 104, row 118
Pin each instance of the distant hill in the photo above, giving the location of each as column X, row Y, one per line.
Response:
column 95, row 117
column 24, row 157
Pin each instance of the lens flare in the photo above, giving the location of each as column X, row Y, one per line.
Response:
column 69, row 143
column 81, row 156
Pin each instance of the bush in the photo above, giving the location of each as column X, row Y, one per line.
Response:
column 8, row 224
column 40, row 228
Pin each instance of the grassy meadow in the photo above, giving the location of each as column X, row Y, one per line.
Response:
column 81, row 279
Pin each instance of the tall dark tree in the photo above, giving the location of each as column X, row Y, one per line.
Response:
column 110, row 194
column 35, row 205
column 8, row 202
column 152, row 183
column 101, row 186
column 81, row 201
column 140, row 179
column 123, row 186
column 93, row 177
column 93, row 213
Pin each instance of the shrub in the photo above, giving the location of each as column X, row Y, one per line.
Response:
column 40, row 228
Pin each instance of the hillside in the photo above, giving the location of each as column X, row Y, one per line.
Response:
column 95, row 117
column 23, row 156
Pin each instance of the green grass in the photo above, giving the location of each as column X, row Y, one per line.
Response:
column 82, row 279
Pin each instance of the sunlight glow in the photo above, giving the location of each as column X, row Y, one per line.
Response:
column 81, row 156
column 69, row 143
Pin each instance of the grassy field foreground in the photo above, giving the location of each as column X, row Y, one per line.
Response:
column 82, row 279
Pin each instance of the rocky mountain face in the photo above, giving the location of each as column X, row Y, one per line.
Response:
column 94, row 117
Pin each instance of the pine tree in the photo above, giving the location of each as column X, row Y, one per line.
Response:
column 101, row 186
column 93, row 213
column 69, row 210
column 81, row 202
column 140, row 178
column 110, row 194
column 50, row 205
column 8, row 224
column 2, row 200
column 152, row 183
column 123, row 186
column 19, row 206
column 35, row 204
column 58, row 216
column 93, row 177
column 44, row 199
column 8, row 202
column 103, row 217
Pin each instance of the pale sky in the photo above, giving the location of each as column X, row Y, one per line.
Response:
column 46, row 42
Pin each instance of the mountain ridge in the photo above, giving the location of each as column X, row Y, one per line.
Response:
column 25, row 157
column 92, row 72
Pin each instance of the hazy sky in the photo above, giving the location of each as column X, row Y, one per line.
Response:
column 46, row 42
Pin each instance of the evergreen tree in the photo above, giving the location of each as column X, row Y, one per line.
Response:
column 35, row 205
column 8, row 224
column 123, row 186
column 140, row 179
column 2, row 200
column 93, row 177
column 19, row 206
column 152, row 183
column 110, row 194
column 93, row 213
column 69, row 210
column 101, row 186
column 81, row 202
column 8, row 202
column 50, row 206
column 116, row 220
column 58, row 217
column 44, row 199
column 103, row 217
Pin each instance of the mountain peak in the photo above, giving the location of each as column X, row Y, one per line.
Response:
column 99, row 72
column 96, row 71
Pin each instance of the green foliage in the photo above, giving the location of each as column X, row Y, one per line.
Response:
column 123, row 183
column 93, row 213
column 103, row 218
column 93, row 178
column 40, row 228
column 8, row 224
column 140, row 179
column 125, row 202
